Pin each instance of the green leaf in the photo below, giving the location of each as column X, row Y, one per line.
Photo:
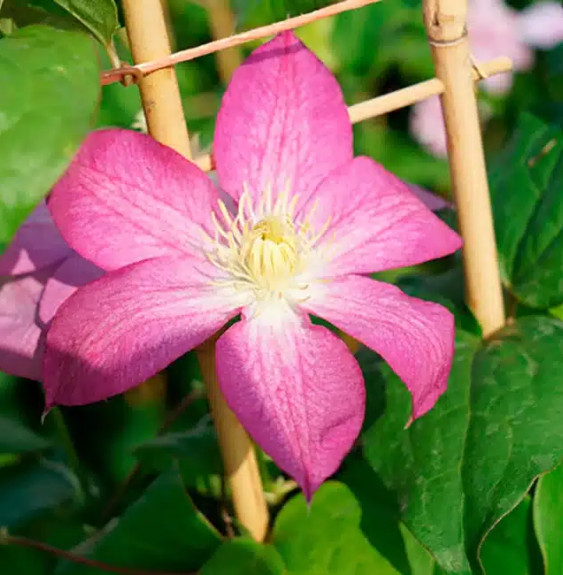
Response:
column 459, row 469
column 420, row 560
column 548, row 519
column 46, row 109
column 99, row 16
column 244, row 557
column 29, row 489
column 161, row 531
column 419, row 463
column 510, row 547
column 22, row 13
column 526, row 183
column 328, row 538
column 17, row 438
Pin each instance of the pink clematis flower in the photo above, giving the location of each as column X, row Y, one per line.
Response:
column 494, row 29
column 38, row 271
column 309, row 222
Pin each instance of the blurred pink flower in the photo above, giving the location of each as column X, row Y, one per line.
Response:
column 38, row 271
column 310, row 221
column 541, row 25
column 427, row 126
column 494, row 30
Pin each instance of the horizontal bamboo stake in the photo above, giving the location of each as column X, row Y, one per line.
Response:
column 397, row 100
column 418, row 92
column 236, row 40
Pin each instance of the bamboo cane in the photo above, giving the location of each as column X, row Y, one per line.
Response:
column 149, row 40
column 222, row 22
column 445, row 22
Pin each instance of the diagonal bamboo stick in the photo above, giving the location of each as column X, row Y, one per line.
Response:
column 445, row 22
column 150, row 65
column 149, row 40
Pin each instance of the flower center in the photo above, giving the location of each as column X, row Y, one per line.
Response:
column 262, row 248
column 271, row 250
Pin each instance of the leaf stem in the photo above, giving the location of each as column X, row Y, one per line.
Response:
column 7, row 539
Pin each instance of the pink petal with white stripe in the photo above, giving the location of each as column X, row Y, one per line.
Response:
column 123, row 328
column 376, row 223
column 296, row 389
column 126, row 198
column 415, row 337
column 283, row 121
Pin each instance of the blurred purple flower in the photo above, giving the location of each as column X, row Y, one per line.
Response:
column 38, row 271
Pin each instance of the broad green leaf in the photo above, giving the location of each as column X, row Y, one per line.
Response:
column 467, row 463
column 548, row 519
column 46, row 109
column 510, row 547
column 421, row 562
column 526, row 183
column 162, row 531
column 29, row 489
column 328, row 537
column 380, row 511
column 99, row 16
column 17, row 438
column 244, row 557
column 422, row 463
column 22, row 13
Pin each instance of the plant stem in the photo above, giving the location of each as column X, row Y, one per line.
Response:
column 67, row 444
column 7, row 539
column 148, row 38
column 445, row 22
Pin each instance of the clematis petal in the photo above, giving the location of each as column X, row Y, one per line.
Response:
column 21, row 333
column 36, row 245
column 376, row 223
column 415, row 337
column 126, row 198
column 116, row 332
column 282, row 122
column 73, row 273
column 296, row 389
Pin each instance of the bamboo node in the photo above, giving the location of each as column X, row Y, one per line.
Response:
column 444, row 43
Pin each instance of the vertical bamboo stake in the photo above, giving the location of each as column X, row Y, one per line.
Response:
column 445, row 22
column 146, row 28
column 222, row 22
